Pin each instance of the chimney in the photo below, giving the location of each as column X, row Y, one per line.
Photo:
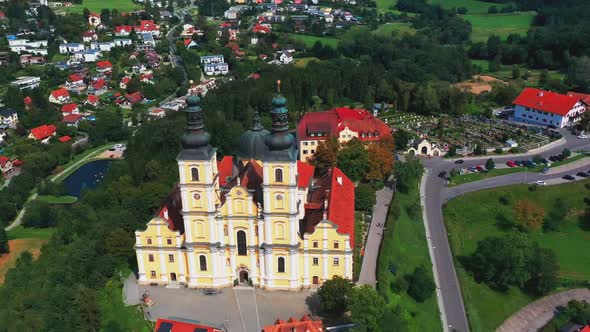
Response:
column 165, row 213
column 339, row 180
column 541, row 94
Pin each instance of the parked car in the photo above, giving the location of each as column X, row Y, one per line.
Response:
column 582, row 136
column 472, row 169
column 568, row 177
column 540, row 183
column 442, row 174
column 582, row 174
column 532, row 162
column 545, row 170
column 510, row 163
column 518, row 163
column 545, row 161
column 211, row 291
column 459, row 161
column 553, row 158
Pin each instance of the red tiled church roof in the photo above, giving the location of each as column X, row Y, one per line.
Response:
column 305, row 171
column 546, row 101
column 225, row 168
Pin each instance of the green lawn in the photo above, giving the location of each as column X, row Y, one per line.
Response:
column 475, row 216
column 404, row 245
column 57, row 199
column 388, row 28
column 115, row 316
column 21, row 232
column 303, row 62
column 309, row 41
column 461, row 179
column 96, row 5
column 501, row 25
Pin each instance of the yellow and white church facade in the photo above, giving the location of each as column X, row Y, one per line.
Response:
column 261, row 219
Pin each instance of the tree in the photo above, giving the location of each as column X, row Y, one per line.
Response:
column 380, row 159
column 402, row 138
column 408, row 174
column 556, row 216
column 528, row 215
column 333, row 295
column 4, row 248
column 421, row 284
column 515, row 72
column 366, row 308
column 490, row 164
column 566, row 153
column 353, row 160
column 543, row 271
column 478, row 151
column 578, row 73
column 493, row 10
column 326, row 155
column 364, row 197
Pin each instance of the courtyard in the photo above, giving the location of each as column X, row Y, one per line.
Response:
column 240, row 309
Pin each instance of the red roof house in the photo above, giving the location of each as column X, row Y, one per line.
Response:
column 72, row 119
column 28, row 101
column 545, row 108
column 97, row 87
column 305, row 324
column 75, row 78
column 259, row 28
column 59, row 96
column 131, row 99
column 92, row 100
column 104, row 66
column 124, row 81
column 123, row 30
column 64, row 139
column 70, row 109
column 43, row 133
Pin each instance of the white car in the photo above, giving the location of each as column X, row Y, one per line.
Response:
column 119, row 146
column 582, row 136
column 540, row 183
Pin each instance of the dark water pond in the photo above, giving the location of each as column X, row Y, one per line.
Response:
column 88, row 176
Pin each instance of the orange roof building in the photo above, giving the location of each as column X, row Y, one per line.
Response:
column 305, row 324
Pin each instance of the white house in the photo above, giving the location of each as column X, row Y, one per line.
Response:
column 102, row 46
column 286, row 57
column 216, row 69
column 123, row 30
column 546, row 108
column 207, row 59
column 71, row 48
column 9, row 117
column 27, row 82
column 122, row 42
column 87, row 55
column 59, row 96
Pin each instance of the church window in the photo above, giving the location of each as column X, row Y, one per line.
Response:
column 149, row 240
column 336, row 245
column 153, row 274
column 195, row 174
column 304, row 151
column 280, row 231
column 203, row 262
column 278, row 175
column 256, row 230
column 316, row 261
column 312, row 151
column 168, row 241
column 151, row 257
column 281, row 264
column 225, row 231
column 241, row 243
column 315, row 244
column 197, row 197
column 336, row 261
column 171, row 258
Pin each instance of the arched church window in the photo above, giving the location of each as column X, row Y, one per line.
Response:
column 195, row 174
column 281, row 264
column 278, row 175
column 241, row 243
column 203, row 262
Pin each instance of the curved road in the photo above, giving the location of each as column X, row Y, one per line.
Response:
column 434, row 194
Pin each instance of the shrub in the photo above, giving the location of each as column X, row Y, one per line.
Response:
column 364, row 197
column 566, row 153
column 498, row 151
column 421, row 286
column 415, row 209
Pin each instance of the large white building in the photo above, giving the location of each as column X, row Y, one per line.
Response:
column 27, row 82
column 546, row 108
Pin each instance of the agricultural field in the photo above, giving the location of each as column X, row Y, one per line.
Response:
column 475, row 216
column 501, row 25
column 309, row 41
column 95, row 6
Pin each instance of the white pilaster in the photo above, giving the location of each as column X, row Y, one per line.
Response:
column 253, row 269
column 269, row 268
column 215, row 266
column 263, row 277
column 252, row 240
column 192, row 271
column 140, row 266
column 181, row 266
column 232, row 262
column 293, row 260
column 163, row 271
column 305, row 263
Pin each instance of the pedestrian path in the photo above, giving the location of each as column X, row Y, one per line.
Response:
column 246, row 299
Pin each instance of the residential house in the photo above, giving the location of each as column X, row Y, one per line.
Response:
column 89, row 36
column 122, row 42
column 148, row 26
column 343, row 123
column 157, row 113
column 216, row 69
column 286, row 57
column 207, row 59
column 147, row 78
column 27, row 82
column 130, row 100
column 29, row 59
column 6, row 166
column 64, row 139
column 189, row 43
column 102, row 46
column 546, row 108
column 8, row 117
column 172, row 325
column 19, row 45
column 202, row 88
column 147, row 39
column 89, row 55
column 94, row 19
column 123, row 30
column 43, row 133
column 104, row 66
column 188, row 30
column 92, row 100
column 72, row 120
column 71, row 48
column 124, row 81
column 59, row 96
column 68, row 109
column 234, row 12
column 97, row 87
column 259, row 28
column 75, row 84
column 153, row 59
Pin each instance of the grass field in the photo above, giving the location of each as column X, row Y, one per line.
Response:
column 461, row 179
column 505, row 73
column 303, row 62
column 388, row 28
column 21, row 232
column 20, row 240
column 404, row 245
column 473, row 6
column 96, row 5
column 309, row 41
column 473, row 217
column 57, row 199
column 501, row 25
column 115, row 316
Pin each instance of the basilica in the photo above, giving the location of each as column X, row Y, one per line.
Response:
column 259, row 218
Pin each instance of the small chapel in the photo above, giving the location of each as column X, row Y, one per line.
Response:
column 259, row 218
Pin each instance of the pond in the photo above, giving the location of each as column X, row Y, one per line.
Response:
column 88, row 176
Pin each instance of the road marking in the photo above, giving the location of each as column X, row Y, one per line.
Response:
column 240, row 310
column 256, row 307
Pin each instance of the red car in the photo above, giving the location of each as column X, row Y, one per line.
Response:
column 480, row 168
column 510, row 163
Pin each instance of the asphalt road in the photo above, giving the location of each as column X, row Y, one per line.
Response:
column 434, row 194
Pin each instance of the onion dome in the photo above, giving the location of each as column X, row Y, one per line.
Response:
column 280, row 142
column 196, row 140
column 252, row 144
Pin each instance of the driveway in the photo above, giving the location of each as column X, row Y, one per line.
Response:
column 374, row 237
column 434, row 194
column 239, row 309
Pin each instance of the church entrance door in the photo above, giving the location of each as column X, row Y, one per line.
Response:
column 244, row 277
